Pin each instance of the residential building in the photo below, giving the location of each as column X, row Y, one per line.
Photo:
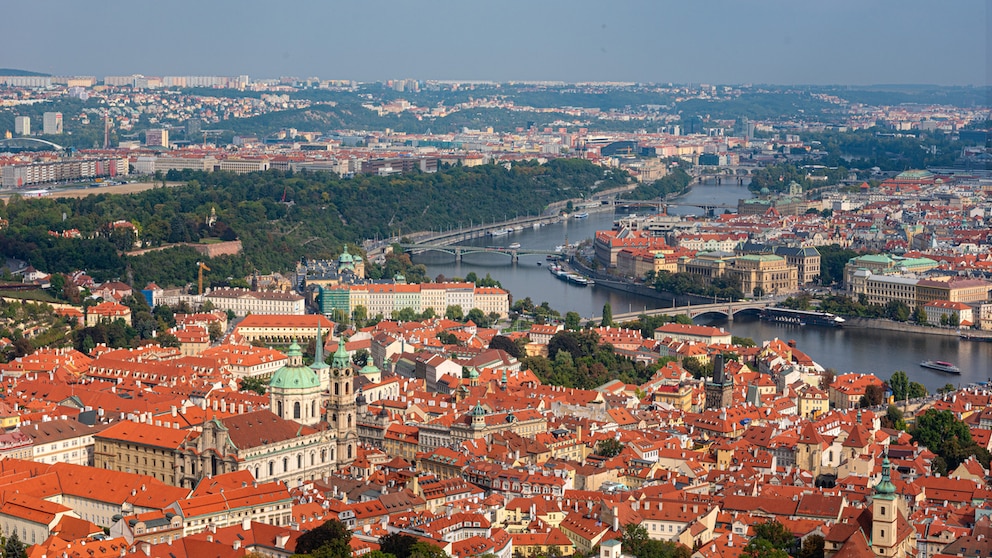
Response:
column 693, row 333
column 22, row 125
column 157, row 137
column 140, row 448
column 52, row 123
column 62, row 441
column 107, row 312
column 947, row 313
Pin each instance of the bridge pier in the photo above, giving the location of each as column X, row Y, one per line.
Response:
column 730, row 314
column 514, row 257
column 458, row 254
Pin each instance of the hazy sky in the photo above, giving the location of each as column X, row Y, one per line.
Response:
column 759, row 41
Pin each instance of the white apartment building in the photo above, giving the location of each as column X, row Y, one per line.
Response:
column 243, row 301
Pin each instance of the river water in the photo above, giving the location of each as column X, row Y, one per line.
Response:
column 845, row 350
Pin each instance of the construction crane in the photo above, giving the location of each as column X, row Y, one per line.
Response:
column 202, row 266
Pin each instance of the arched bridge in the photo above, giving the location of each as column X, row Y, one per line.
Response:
column 29, row 144
column 726, row 309
column 459, row 251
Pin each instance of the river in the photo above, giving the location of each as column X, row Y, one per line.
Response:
column 845, row 350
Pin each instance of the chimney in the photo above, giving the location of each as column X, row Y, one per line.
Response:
column 246, row 524
column 145, row 547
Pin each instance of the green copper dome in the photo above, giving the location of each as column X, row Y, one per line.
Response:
column 346, row 257
column 369, row 368
column 294, row 375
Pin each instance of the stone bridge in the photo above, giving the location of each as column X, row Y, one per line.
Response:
column 459, row 251
column 725, row 309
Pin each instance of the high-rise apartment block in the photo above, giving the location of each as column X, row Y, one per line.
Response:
column 157, row 136
column 52, row 123
column 22, row 125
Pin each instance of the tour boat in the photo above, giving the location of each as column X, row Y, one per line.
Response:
column 941, row 366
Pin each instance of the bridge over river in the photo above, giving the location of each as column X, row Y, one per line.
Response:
column 725, row 309
column 459, row 251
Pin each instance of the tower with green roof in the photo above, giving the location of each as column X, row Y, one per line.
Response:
column 342, row 409
column 885, row 512
column 371, row 372
column 294, row 390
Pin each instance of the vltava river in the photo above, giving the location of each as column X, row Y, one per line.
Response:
column 845, row 350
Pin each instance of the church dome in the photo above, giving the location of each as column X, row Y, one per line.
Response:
column 294, row 375
column 369, row 369
column 346, row 258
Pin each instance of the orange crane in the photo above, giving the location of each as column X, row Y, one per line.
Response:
column 202, row 266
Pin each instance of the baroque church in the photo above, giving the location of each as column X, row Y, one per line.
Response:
column 308, row 432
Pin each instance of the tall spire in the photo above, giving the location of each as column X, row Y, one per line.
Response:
column 318, row 350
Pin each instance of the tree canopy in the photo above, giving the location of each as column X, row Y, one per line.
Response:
column 279, row 216
column 330, row 538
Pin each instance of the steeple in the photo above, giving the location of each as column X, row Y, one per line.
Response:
column 885, row 489
column 319, row 366
column 318, row 351
column 340, row 358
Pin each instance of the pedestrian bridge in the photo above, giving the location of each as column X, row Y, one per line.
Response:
column 459, row 251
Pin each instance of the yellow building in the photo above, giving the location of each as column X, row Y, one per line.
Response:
column 812, row 402
column 770, row 274
column 952, row 289
column 676, row 395
column 143, row 449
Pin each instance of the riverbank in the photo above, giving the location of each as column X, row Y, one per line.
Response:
column 890, row 325
column 614, row 283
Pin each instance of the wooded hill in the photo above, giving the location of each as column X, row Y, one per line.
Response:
column 280, row 217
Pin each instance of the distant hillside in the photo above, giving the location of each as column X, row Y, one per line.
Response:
column 13, row 72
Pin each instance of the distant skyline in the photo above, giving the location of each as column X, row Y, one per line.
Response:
column 722, row 41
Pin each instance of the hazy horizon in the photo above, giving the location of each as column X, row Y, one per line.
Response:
column 778, row 42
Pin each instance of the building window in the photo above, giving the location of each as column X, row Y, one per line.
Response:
column 296, row 410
